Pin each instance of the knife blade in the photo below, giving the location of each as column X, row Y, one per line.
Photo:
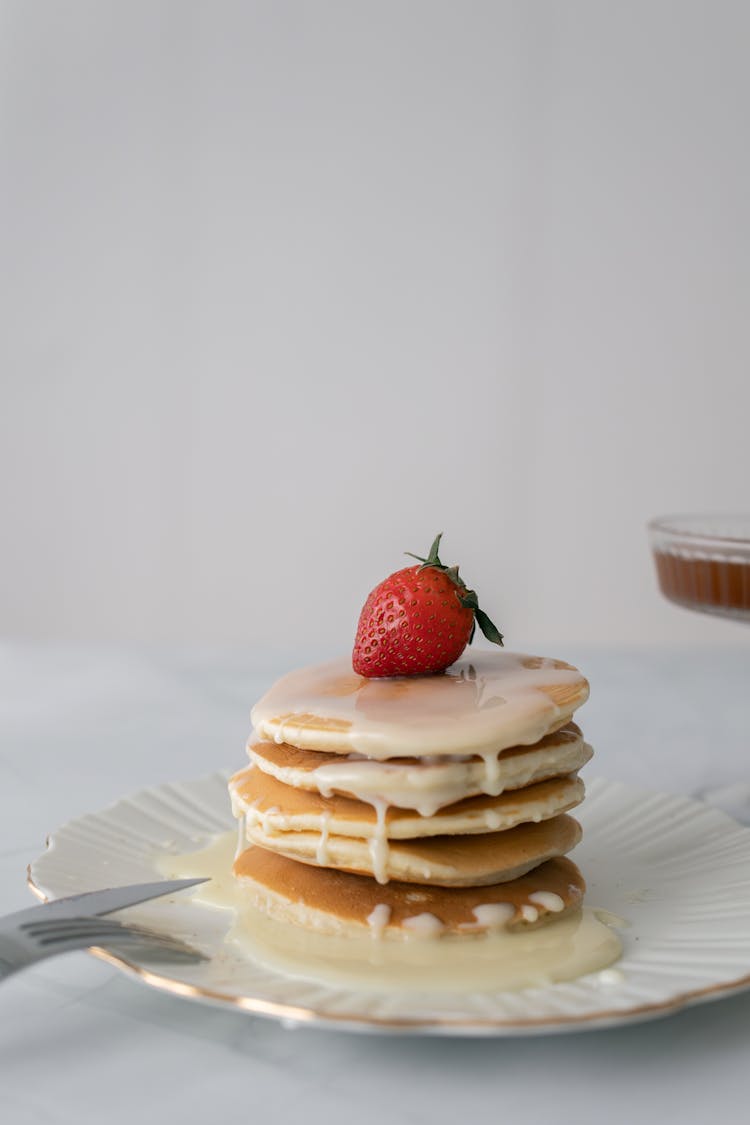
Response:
column 104, row 901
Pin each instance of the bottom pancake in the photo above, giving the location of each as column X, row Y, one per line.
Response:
column 336, row 902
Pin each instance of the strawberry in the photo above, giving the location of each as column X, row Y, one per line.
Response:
column 418, row 620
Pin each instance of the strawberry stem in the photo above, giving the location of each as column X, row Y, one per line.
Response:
column 432, row 559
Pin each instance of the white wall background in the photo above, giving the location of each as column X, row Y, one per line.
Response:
column 290, row 286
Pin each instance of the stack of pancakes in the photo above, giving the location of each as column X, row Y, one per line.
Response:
column 424, row 805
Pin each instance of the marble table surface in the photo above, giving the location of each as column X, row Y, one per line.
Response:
column 81, row 726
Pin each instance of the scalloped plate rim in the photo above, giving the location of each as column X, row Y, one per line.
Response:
column 302, row 1016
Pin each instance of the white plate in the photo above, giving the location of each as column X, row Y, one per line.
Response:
column 677, row 870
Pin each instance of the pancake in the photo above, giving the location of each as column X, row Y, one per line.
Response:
column 276, row 808
column 480, row 705
column 445, row 861
column 424, row 784
column 335, row 902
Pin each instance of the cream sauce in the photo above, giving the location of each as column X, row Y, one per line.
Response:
column 493, row 914
column 428, row 787
column 481, row 704
column 321, row 852
column 241, row 842
column 562, row 950
column 548, row 900
column 378, row 919
column 424, row 925
column 378, row 843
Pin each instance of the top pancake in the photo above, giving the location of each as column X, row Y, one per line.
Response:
column 481, row 704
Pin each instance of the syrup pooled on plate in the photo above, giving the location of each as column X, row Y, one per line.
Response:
column 565, row 949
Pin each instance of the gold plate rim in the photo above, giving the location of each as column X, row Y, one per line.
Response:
column 308, row 1016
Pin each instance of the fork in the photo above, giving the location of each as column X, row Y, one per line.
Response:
column 77, row 923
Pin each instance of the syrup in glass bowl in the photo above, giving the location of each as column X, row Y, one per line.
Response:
column 703, row 562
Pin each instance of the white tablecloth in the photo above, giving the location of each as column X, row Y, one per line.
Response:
column 81, row 726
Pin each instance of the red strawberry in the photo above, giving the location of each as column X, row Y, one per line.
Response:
column 418, row 620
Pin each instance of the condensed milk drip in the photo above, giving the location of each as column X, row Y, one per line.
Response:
column 379, row 847
column 241, row 835
column 425, row 925
column 321, row 853
column 577, row 944
column 378, row 919
column 548, row 900
column 478, row 706
column 430, row 784
column 492, row 915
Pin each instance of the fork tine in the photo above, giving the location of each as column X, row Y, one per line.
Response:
column 60, row 925
column 92, row 929
column 82, row 936
column 63, row 926
column 157, row 941
column 101, row 932
column 122, row 936
column 85, row 930
column 39, row 925
column 34, row 940
column 76, row 929
column 86, row 941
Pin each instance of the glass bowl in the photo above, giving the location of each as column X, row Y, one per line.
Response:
column 703, row 562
